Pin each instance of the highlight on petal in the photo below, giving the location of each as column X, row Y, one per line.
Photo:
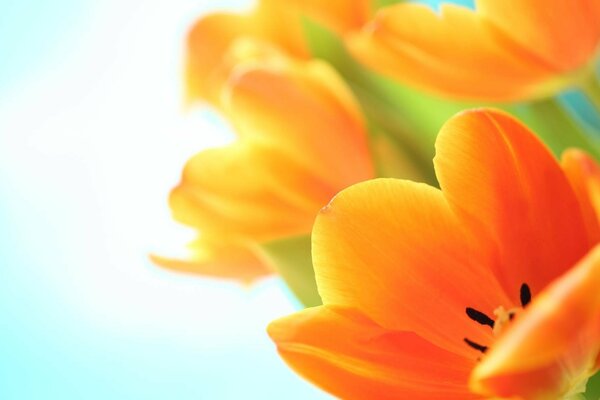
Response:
column 551, row 349
column 350, row 356
column 395, row 251
column 218, row 258
column 507, row 187
column 584, row 174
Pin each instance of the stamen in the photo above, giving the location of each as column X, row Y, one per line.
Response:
column 480, row 317
column 476, row 346
column 525, row 295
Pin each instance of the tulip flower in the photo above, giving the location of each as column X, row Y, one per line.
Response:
column 301, row 140
column 484, row 289
column 502, row 51
column 272, row 21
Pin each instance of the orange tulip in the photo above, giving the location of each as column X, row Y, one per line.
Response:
column 277, row 23
column 301, row 140
column 487, row 288
column 503, row 50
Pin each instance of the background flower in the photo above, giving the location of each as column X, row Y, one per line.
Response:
column 509, row 50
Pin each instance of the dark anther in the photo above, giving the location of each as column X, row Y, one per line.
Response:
column 476, row 346
column 525, row 295
column 480, row 317
column 511, row 315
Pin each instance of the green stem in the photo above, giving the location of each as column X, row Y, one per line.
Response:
column 291, row 257
column 385, row 120
column 591, row 87
column 593, row 388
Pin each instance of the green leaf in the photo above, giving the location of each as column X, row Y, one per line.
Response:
column 593, row 388
column 292, row 259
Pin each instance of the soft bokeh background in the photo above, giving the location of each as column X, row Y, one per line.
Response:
column 92, row 137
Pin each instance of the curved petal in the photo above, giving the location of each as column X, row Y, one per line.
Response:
column 307, row 109
column 564, row 33
column 394, row 250
column 248, row 190
column 283, row 19
column 338, row 15
column 207, row 42
column 553, row 345
column 291, row 158
column 351, row 357
column 584, row 174
column 219, row 259
column 456, row 53
column 278, row 24
column 506, row 186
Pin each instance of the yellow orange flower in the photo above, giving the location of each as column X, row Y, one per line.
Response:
column 276, row 23
column 502, row 50
column 301, row 140
column 487, row 288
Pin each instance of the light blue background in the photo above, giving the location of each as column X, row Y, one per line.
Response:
column 91, row 139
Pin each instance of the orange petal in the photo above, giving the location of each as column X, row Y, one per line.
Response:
column 248, row 190
column 564, row 33
column 506, row 186
column 339, row 15
column 207, row 43
column 219, row 259
column 394, row 250
column 291, row 158
column 351, row 357
column 584, row 174
column 307, row 109
column 553, row 345
column 457, row 53
column 276, row 23
column 283, row 20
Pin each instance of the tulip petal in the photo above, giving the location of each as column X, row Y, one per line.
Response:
column 507, row 187
column 394, row 250
column 456, row 53
column 207, row 43
column 584, row 174
column 564, row 33
column 284, row 19
column 351, row 357
column 219, row 259
column 286, row 164
column 307, row 109
column 274, row 22
column 248, row 190
column 553, row 345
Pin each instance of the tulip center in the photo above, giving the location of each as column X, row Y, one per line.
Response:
column 503, row 317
